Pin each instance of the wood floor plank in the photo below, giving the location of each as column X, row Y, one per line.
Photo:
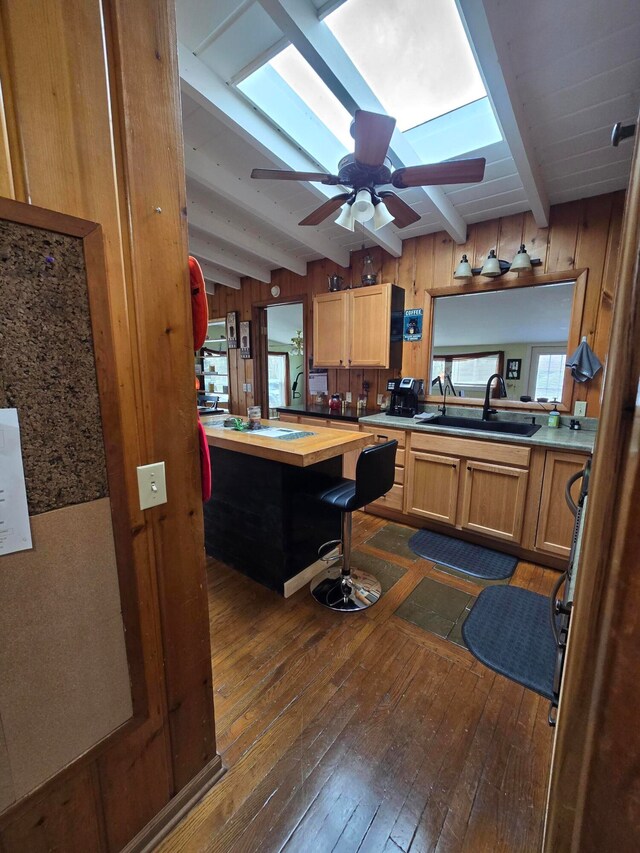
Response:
column 362, row 732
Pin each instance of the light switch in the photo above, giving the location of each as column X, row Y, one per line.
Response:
column 580, row 409
column 152, row 486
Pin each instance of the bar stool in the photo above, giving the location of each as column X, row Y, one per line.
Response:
column 339, row 587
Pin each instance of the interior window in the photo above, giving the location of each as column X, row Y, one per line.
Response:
column 547, row 372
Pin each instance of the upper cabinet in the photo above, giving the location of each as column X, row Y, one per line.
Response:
column 359, row 328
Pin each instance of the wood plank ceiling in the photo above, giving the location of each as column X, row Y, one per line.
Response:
column 558, row 76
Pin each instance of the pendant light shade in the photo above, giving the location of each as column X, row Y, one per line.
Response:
column 491, row 266
column 346, row 218
column 463, row 270
column 381, row 216
column 362, row 207
column 522, row 261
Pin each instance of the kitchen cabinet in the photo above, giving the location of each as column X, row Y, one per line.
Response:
column 432, row 486
column 494, row 500
column 472, row 485
column 359, row 328
column 394, row 498
column 555, row 520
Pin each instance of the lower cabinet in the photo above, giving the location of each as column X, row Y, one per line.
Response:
column 494, row 500
column 478, row 486
column 432, row 486
column 555, row 521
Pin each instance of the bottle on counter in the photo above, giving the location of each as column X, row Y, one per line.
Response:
column 335, row 403
column 553, row 421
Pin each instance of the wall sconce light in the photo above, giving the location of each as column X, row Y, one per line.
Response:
column 494, row 267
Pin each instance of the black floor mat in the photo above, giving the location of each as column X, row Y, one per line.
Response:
column 475, row 560
column 509, row 630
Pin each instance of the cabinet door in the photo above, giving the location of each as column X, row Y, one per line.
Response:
column 432, row 486
column 330, row 321
column 555, row 521
column 494, row 499
column 370, row 326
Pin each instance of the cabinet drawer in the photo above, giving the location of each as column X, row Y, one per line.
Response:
column 392, row 500
column 383, row 434
column 398, row 477
column 510, row 454
column 289, row 419
column 317, row 422
column 400, row 458
column 347, row 425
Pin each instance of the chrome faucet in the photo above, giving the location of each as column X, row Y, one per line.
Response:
column 486, row 409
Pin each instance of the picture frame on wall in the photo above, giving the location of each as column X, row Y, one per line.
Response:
column 245, row 339
column 232, row 330
column 514, row 368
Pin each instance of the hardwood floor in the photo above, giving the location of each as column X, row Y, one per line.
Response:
column 362, row 732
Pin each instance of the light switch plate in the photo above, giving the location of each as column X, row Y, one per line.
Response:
column 152, row 486
column 580, row 409
column 379, row 399
column 347, row 396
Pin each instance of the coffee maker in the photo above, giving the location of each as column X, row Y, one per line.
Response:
column 404, row 396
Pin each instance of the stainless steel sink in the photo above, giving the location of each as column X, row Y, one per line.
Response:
column 505, row 427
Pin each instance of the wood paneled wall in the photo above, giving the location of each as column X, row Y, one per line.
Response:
column 581, row 234
column 90, row 126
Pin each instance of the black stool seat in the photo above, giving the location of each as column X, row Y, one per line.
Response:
column 340, row 493
column 342, row 589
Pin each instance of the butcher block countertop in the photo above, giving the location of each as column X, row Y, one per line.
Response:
column 325, row 443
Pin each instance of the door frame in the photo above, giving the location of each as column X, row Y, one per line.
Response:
column 261, row 346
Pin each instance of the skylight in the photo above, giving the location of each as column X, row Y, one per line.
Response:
column 414, row 55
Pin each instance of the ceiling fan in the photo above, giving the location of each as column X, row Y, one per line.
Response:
column 369, row 168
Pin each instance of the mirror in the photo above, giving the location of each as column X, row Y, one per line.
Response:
column 522, row 333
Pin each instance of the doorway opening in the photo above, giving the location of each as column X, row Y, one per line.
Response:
column 285, row 373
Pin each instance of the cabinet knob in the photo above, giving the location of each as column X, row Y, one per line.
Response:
column 468, row 467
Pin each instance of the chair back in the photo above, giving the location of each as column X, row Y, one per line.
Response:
column 375, row 472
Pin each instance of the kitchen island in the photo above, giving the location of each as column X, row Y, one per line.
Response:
column 262, row 519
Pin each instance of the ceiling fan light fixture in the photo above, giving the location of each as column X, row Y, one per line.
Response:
column 346, row 218
column 362, row 208
column 491, row 266
column 381, row 216
column 522, row 261
column 463, row 270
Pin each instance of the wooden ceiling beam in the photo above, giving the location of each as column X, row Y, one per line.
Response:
column 227, row 259
column 224, row 229
column 492, row 57
column 216, row 275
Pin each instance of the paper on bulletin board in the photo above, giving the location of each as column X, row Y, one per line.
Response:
column 318, row 381
column 15, row 530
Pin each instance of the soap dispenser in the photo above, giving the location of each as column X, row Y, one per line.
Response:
column 554, row 417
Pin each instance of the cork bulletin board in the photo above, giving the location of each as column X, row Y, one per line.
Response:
column 47, row 366
column 67, row 664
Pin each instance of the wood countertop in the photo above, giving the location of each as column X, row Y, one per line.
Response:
column 325, row 443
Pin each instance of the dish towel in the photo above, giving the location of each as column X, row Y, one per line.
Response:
column 584, row 363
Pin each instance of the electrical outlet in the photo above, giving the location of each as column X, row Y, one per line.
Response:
column 580, row 409
column 379, row 399
column 152, row 486
column 347, row 396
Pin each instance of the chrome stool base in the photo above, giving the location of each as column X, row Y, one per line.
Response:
column 355, row 591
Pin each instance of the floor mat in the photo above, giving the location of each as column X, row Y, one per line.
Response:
column 394, row 539
column 437, row 608
column 384, row 570
column 475, row 560
column 509, row 630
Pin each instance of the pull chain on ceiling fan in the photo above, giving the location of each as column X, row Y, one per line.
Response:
column 369, row 168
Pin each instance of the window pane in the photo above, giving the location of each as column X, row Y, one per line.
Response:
column 550, row 376
column 277, row 381
column 437, row 368
column 473, row 371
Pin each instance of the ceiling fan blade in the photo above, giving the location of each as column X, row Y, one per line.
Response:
column 372, row 133
column 399, row 209
column 453, row 172
column 283, row 175
column 326, row 209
